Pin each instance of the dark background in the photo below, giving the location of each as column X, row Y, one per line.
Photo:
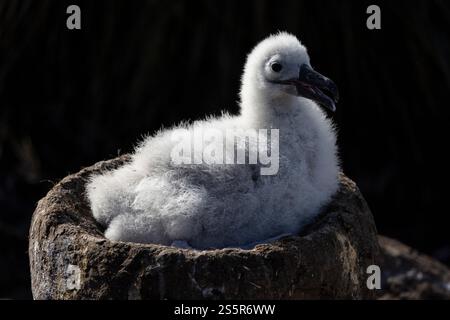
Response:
column 71, row 98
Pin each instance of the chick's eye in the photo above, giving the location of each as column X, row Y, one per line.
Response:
column 276, row 67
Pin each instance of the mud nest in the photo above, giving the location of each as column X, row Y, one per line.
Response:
column 71, row 259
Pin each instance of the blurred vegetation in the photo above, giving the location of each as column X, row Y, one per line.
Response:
column 71, row 98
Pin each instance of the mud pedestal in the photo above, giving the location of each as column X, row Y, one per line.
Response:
column 71, row 259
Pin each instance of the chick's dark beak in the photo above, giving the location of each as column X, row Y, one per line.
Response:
column 312, row 85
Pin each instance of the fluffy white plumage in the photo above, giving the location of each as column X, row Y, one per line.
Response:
column 152, row 200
